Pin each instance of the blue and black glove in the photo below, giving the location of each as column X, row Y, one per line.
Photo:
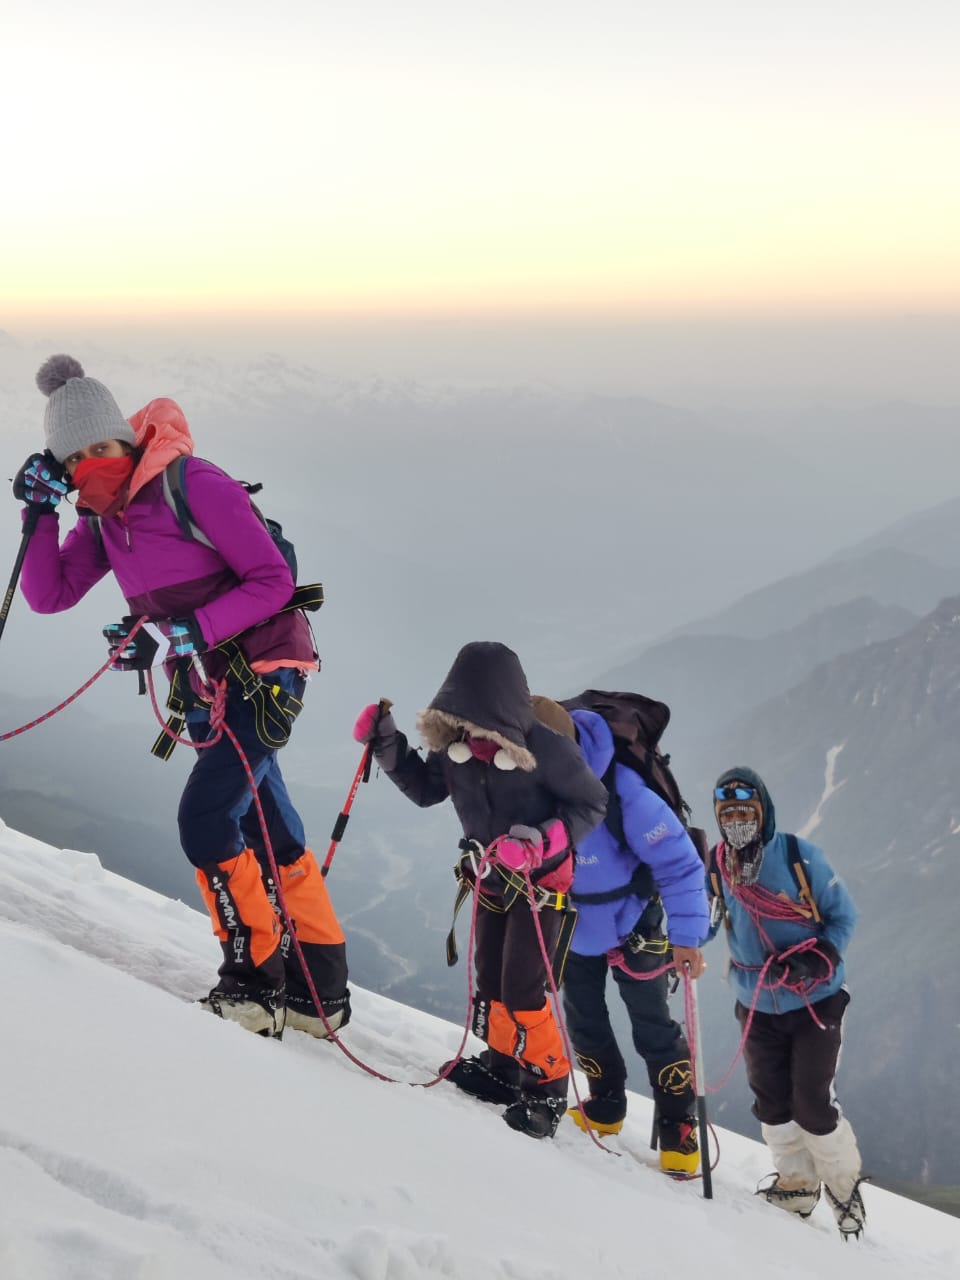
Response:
column 137, row 654
column 182, row 636
column 40, row 483
column 185, row 637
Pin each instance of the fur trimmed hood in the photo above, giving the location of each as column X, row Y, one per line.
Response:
column 485, row 694
column 438, row 730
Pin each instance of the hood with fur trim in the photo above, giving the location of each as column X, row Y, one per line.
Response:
column 485, row 694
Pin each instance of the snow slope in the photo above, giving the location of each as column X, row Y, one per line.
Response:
column 142, row 1139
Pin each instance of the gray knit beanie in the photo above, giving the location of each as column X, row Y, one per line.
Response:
column 80, row 410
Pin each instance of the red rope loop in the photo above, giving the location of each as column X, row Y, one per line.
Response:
column 48, row 715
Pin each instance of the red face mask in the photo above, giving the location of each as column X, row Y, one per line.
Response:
column 101, row 482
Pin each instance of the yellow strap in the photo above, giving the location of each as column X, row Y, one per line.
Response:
column 805, row 891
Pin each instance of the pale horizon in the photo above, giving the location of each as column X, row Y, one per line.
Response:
column 611, row 159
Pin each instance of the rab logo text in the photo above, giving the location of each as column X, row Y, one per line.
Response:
column 658, row 832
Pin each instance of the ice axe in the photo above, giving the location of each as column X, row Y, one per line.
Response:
column 702, row 1123
column 362, row 775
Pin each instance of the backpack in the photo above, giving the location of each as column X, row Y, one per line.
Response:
column 176, row 497
column 637, row 724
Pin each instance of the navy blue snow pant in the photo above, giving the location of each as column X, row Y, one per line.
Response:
column 656, row 1037
column 217, row 815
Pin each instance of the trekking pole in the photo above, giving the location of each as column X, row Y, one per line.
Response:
column 702, row 1123
column 362, row 775
column 29, row 525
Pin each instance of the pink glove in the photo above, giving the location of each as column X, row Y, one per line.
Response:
column 521, row 849
column 365, row 728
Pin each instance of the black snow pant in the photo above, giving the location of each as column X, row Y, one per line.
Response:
column 792, row 1062
column 656, row 1037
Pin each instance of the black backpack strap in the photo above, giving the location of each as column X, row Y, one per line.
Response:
column 641, row 885
column 800, row 877
column 614, row 815
column 309, row 597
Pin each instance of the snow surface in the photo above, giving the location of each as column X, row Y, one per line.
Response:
column 143, row 1139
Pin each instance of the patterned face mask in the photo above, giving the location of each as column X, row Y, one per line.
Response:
column 739, row 834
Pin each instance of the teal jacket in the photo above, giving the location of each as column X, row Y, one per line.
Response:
column 749, row 950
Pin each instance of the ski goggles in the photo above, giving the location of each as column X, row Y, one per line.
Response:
column 735, row 791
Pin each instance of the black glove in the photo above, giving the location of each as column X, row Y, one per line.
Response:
column 815, row 965
column 40, row 483
column 137, row 654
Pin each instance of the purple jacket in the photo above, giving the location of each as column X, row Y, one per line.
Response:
column 235, row 587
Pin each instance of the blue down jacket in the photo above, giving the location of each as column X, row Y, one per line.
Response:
column 655, row 836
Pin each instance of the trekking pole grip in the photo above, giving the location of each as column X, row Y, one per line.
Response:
column 29, row 526
column 383, row 706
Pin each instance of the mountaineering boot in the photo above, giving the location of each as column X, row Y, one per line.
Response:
column 679, row 1149
column 796, row 1183
column 837, row 1160
column 791, row 1194
column 480, row 1077
column 299, row 1019
column 850, row 1213
column 251, row 987
column 536, row 1116
column 604, row 1113
column 253, row 1007
column 606, row 1108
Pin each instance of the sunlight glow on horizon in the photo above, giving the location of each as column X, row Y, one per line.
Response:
column 306, row 168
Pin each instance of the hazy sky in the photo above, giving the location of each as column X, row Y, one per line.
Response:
column 303, row 156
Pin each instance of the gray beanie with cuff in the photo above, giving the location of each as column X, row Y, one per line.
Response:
column 80, row 411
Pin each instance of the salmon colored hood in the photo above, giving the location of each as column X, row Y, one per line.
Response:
column 163, row 434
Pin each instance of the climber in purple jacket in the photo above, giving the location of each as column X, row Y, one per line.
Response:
column 237, row 586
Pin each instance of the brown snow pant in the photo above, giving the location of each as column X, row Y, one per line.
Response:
column 792, row 1062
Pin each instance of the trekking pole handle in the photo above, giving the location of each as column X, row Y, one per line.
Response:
column 383, row 706
column 362, row 775
column 31, row 519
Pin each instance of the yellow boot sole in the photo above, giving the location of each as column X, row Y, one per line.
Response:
column 581, row 1121
column 680, row 1165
